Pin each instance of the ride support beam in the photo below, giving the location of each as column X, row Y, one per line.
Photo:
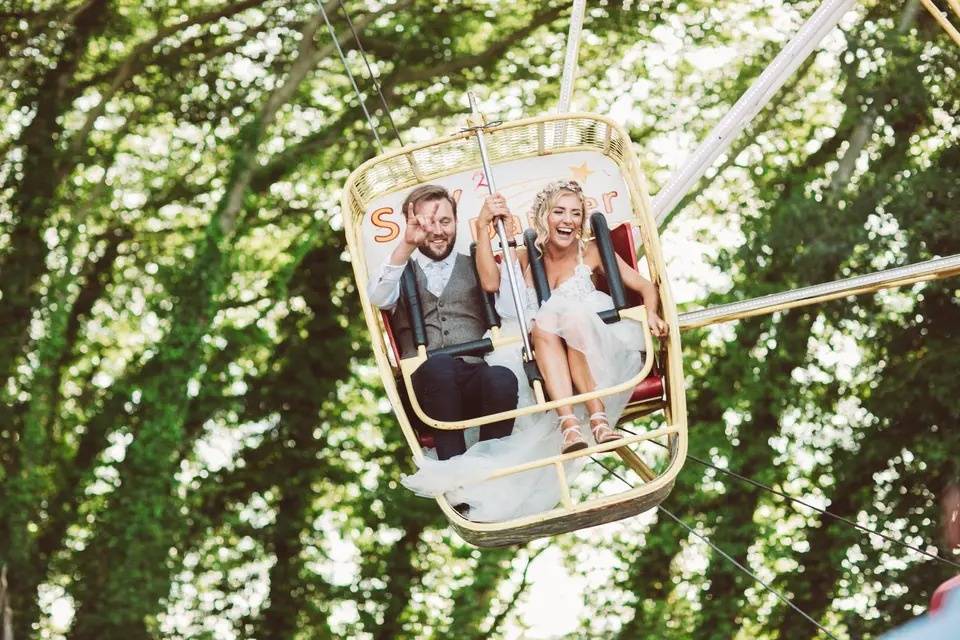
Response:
column 823, row 20
column 889, row 278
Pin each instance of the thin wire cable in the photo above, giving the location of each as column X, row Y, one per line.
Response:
column 346, row 67
column 825, row 512
column 730, row 559
column 373, row 76
column 779, row 595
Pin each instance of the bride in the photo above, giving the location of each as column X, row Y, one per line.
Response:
column 574, row 348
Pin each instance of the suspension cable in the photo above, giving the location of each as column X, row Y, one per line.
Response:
column 370, row 72
column 779, row 595
column 760, row 485
column 356, row 89
column 726, row 556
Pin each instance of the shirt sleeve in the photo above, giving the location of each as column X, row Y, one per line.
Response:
column 384, row 287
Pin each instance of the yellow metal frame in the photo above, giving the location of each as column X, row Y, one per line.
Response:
column 529, row 138
column 409, row 365
column 943, row 20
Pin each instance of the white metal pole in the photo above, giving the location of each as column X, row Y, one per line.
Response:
column 947, row 266
column 824, row 19
column 504, row 239
column 570, row 60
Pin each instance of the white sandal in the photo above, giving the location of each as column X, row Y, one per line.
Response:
column 602, row 432
column 575, row 443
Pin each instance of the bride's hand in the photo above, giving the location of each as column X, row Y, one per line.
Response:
column 658, row 326
column 494, row 208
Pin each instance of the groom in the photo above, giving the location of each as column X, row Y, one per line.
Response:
column 448, row 388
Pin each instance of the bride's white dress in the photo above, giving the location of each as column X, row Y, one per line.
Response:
column 614, row 354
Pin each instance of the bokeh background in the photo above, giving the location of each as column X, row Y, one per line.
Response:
column 193, row 440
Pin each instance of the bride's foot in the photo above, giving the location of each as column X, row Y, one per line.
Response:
column 600, row 427
column 572, row 438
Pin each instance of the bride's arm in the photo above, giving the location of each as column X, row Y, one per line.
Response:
column 504, row 301
column 494, row 206
column 636, row 282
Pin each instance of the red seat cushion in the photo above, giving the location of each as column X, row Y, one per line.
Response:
column 650, row 388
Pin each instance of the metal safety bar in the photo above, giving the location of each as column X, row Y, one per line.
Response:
column 504, row 239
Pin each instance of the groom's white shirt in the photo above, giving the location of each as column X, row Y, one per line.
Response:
column 384, row 288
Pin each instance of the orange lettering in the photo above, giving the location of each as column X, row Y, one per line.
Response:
column 392, row 228
column 608, row 200
column 513, row 228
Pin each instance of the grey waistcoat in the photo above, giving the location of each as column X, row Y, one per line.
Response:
column 455, row 317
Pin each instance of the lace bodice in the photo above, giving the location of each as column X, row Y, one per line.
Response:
column 579, row 285
column 575, row 288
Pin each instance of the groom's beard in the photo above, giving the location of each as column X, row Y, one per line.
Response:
column 435, row 250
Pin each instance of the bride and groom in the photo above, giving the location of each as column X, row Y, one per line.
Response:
column 574, row 348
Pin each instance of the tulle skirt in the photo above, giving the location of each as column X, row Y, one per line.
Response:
column 614, row 354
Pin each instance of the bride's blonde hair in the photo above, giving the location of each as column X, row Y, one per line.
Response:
column 546, row 200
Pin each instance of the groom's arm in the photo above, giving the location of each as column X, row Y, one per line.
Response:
column 384, row 288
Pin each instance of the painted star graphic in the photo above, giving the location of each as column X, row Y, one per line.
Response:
column 581, row 173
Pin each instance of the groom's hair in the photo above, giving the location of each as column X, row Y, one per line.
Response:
column 428, row 193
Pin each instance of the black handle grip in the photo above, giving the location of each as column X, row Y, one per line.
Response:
column 598, row 222
column 472, row 348
column 532, row 372
column 537, row 270
column 408, row 289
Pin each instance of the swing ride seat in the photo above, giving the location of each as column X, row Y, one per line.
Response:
column 647, row 396
column 597, row 151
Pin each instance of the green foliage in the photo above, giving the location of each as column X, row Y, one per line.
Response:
column 192, row 439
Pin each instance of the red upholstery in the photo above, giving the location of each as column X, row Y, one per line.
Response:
column 651, row 387
column 385, row 316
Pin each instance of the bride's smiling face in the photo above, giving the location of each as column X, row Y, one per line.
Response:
column 565, row 220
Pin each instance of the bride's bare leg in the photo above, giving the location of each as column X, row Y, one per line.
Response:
column 552, row 361
column 582, row 378
column 584, row 382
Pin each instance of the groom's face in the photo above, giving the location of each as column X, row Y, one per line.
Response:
column 443, row 235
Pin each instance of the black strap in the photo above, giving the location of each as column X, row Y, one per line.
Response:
column 410, row 293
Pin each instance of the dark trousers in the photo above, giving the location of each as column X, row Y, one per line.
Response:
column 450, row 389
